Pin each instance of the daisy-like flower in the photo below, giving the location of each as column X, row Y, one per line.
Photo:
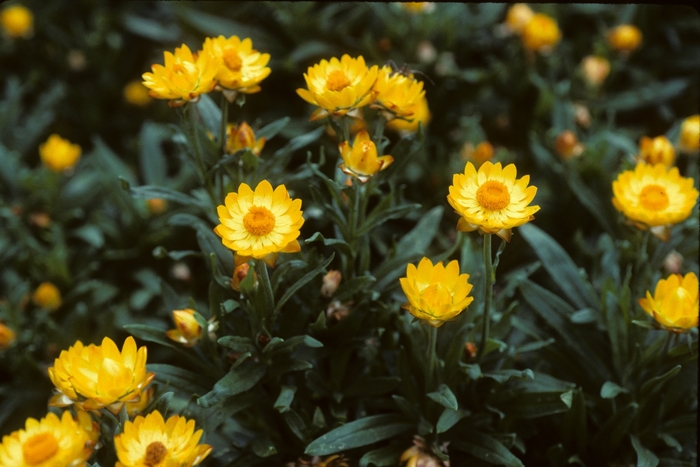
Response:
column 50, row 442
column 492, row 199
column 517, row 17
column 657, row 150
column 541, row 33
column 184, row 77
column 94, row 377
column 652, row 196
column 675, row 302
column 241, row 68
column 241, row 137
column 339, row 86
column 17, row 21
column 59, row 154
column 7, row 336
column 47, row 296
column 396, row 94
column 436, row 293
column 689, row 139
column 150, row 441
column 360, row 160
column 625, row 38
column 420, row 113
column 260, row 224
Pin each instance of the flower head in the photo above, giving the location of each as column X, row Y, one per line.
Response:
column 97, row 376
column 157, row 205
column 419, row 114
column 137, row 406
column 595, row 69
column 517, row 17
column 331, row 281
column 418, row 7
column 675, row 302
column 361, row 159
column 135, row 93
column 567, row 145
column 657, row 150
column 625, row 38
column 184, row 77
column 7, row 336
column 47, row 296
column 17, row 21
column 50, row 442
column 396, row 93
column 492, row 199
column 260, row 223
column 241, row 137
column 150, row 441
column 241, row 68
column 339, row 86
column 188, row 330
column 541, row 33
column 481, row 153
column 689, row 139
column 436, row 293
column 59, row 154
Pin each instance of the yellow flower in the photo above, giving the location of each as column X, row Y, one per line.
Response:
column 135, row 93
column 137, row 406
column 188, row 330
column 260, row 223
column 492, row 199
column 339, row 86
column 517, row 17
column 419, row 114
column 47, row 296
column 567, row 145
column 658, row 150
column 240, row 67
column 361, row 159
column 93, row 377
column 418, row 7
column 541, row 33
column 17, row 21
column 150, row 441
column 183, row 78
column 483, row 152
column 436, row 293
column 625, row 38
column 689, row 139
column 653, row 196
column 49, row 442
column 241, row 137
column 59, row 154
column 595, row 69
column 675, row 302
column 157, row 205
column 7, row 336
column 396, row 93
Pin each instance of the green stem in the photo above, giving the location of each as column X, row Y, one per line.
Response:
column 268, row 302
column 430, row 379
column 488, row 296
column 198, row 153
column 224, row 123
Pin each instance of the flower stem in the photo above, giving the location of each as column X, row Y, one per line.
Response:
column 432, row 358
column 268, row 302
column 224, row 122
column 488, row 295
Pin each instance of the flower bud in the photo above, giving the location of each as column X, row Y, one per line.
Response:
column 657, row 150
column 517, row 17
column 181, row 272
column 625, row 38
column 582, row 115
column 40, row 219
column 541, row 34
column 567, row 145
column 595, row 69
column 188, row 330
column 331, row 281
column 674, row 304
column 689, row 139
column 7, row 336
column 157, row 205
column 673, row 262
column 58, row 154
column 135, row 93
column 242, row 137
column 17, row 21
column 240, row 273
column 426, row 52
column 47, row 296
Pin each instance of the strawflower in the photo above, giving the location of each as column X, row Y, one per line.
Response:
column 241, row 68
column 135, row 93
column 139, row 405
column 59, row 154
column 397, row 94
column 517, row 17
column 541, row 33
column 492, row 199
column 360, row 160
column 436, row 293
column 261, row 223
column 675, row 302
column 150, row 441
column 420, row 114
column 625, row 38
column 241, row 137
column 567, row 145
column 239, row 274
column 657, row 150
column 17, row 21
column 595, row 69
column 7, row 336
column 157, row 205
column 418, row 7
column 188, row 330
column 689, row 139
column 47, row 296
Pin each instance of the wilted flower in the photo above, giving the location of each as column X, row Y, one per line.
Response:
column 94, row 377
column 595, row 69
column 396, row 93
column 338, row 310
column 17, row 21
column 241, row 137
column 361, row 159
column 331, row 281
column 517, row 17
column 436, row 293
column 689, row 139
column 47, row 296
column 567, row 145
column 240, row 67
column 58, row 154
column 419, row 114
column 40, row 219
column 260, row 223
column 188, row 329
column 582, row 115
column 675, row 303
column 135, row 93
column 7, row 336
column 657, row 150
column 470, row 349
column 339, row 86
column 184, row 77
column 150, row 441
column 541, row 33
column 492, row 199
column 50, row 442
column 625, row 38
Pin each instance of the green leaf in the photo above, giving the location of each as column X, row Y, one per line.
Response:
column 610, row 390
column 382, row 457
column 208, row 241
column 152, row 191
column 237, row 343
column 271, row 129
column 302, row 282
column 284, row 400
column 370, row 387
column 164, row 32
column 614, row 430
column 655, row 384
column 263, row 447
column 236, row 381
column 296, row 423
column 383, row 212
column 153, row 334
column 110, row 163
column 488, row 449
column 281, row 346
column 91, row 234
column 151, row 157
column 341, row 245
column 575, row 424
column 501, row 376
column 444, row 397
column 645, row 458
column 449, row 418
column 362, row 432
column 184, row 380
column 651, row 94
column 349, row 288
column 210, row 113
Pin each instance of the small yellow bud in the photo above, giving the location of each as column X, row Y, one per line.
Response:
column 517, row 17
column 657, row 150
column 567, row 145
column 242, row 137
column 157, row 205
column 541, row 34
column 595, row 69
column 188, row 329
column 689, row 139
column 625, row 38
column 17, row 21
column 59, row 154
column 240, row 273
column 47, row 296
column 7, row 336
column 135, row 93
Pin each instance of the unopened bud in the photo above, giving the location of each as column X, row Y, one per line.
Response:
column 595, row 69
column 673, row 262
column 331, row 281
column 567, row 145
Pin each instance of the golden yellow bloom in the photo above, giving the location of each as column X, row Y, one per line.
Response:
column 59, row 154
column 418, row 7
column 188, row 330
column 657, row 150
column 689, row 139
column 137, row 406
column 654, row 196
column 49, row 442
column 157, row 205
column 492, row 199
column 360, row 160
column 150, row 441
column 93, row 377
column 7, row 336
column 135, row 93
column 339, row 86
column 517, row 17
column 240, row 67
column 567, row 145
column 47, row 296
column 436, row 293
column 595, row 69
column 183, row 78
column 625, row 38
column 396, row 93
column 241, row 137
column 541, row 33
column 419, row 114
column 17, row 21
column 260, row 223
column 675, row 302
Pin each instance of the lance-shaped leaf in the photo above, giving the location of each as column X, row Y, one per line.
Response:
column 362, row 432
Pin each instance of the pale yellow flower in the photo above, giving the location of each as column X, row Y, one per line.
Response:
column 541, row 33
column 135, row 93
column 150, row 441
column 657, row 150
column 47, row 296
column 436, row 293
column 360, row 160
column 188, row 330
column 7, row 336
column 492, row 199
column 625, row 38
column 240, row 67
column 396, row 93
column 689, row 139
column 595, row 69
column 260, row 223
column 58, row 154
column 241, row 137
column 675, row 303
column 517, row 17
column 420, row 114
column 17, row 21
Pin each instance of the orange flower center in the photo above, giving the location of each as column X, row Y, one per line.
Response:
column 493, row 195
column 232, row 60
column 155, row 453
column 337, row 81
column 39, row 448
column 654, row 198
column 259, row 221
